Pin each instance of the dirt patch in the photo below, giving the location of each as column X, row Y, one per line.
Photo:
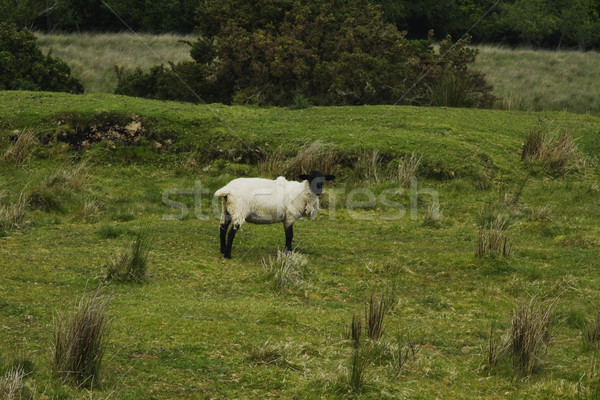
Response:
column 82, row 131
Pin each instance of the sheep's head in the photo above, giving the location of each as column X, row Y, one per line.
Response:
column 315, row 180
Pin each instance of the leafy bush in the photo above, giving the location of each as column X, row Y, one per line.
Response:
column 318, row 52
column 23, row 66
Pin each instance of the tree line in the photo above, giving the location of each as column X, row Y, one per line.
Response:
column 540, row 23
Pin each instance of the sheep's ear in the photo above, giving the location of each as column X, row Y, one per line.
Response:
column 303, row 177
column 329, row 177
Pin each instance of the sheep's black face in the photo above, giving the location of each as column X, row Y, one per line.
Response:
column 315, row 180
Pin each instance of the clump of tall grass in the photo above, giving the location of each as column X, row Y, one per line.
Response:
column 530, row 334
column 131, row 263
column 451, row 91
column 317, row 155
column 54, row 191
column 492, row 237
column 556, row 152
column 408, row 167
column 591, row 332
column 19, row 152
column 369, row 165
column 433, row 216
column 80, row 339
column 375, row 313
column 12, row 215
column 358, row 366
column 355, row 330
column 287, row 269
column 270, row 354
column 588, row 387
column 526, row 341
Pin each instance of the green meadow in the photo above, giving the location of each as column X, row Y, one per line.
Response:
column 101, row 169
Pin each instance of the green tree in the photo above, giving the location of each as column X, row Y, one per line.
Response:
column 533, row 20
column 579, row 22
column 24, row 67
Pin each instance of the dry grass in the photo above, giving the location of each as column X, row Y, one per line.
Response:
column 555, row 151
column 80, row 340
column 494, row 239
column 317, row 155
column 92, row 57
column 20, row 150
column 529, row 335
column 131, row 264
column 433, row 216
column 408, row 168
column 369, row 165
column 539, row 80
column 12, row 386
column 287, row 269
column 12, row 215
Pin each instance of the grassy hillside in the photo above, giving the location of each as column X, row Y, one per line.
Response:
column 200, row 326
column 525, row 80
column 537, row 80
column 92, row 57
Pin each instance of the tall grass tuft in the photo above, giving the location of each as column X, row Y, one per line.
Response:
column 131, row 263
column 80, row 340
column 19, row 152
column 355, row 330
column 588, row 387
column 369, row 165
column 12, row 385
column 556, row 152
column 408, row 167
column 317, row 155
column 358, row 366
column 375, row 315
column 591, row 332
column 56, row 190
column 494, row 349
column 493, row 238
column 451, row 91
column 287, row 269
column 529, row 335
column 12, row 215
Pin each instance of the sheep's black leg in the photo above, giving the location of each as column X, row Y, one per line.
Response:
column 232, row 232
column 289, row 235
column 223, row 232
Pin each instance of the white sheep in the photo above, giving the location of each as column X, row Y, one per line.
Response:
column 265, row 201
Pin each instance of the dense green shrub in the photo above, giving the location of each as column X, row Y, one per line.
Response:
column 329, row 53
column 24, row 67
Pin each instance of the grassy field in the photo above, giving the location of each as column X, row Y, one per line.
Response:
column 537, row 80
column 525, row 80
column 92, row 57
column 200, row 326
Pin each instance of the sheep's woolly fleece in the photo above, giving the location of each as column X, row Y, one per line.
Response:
column 264, row 201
